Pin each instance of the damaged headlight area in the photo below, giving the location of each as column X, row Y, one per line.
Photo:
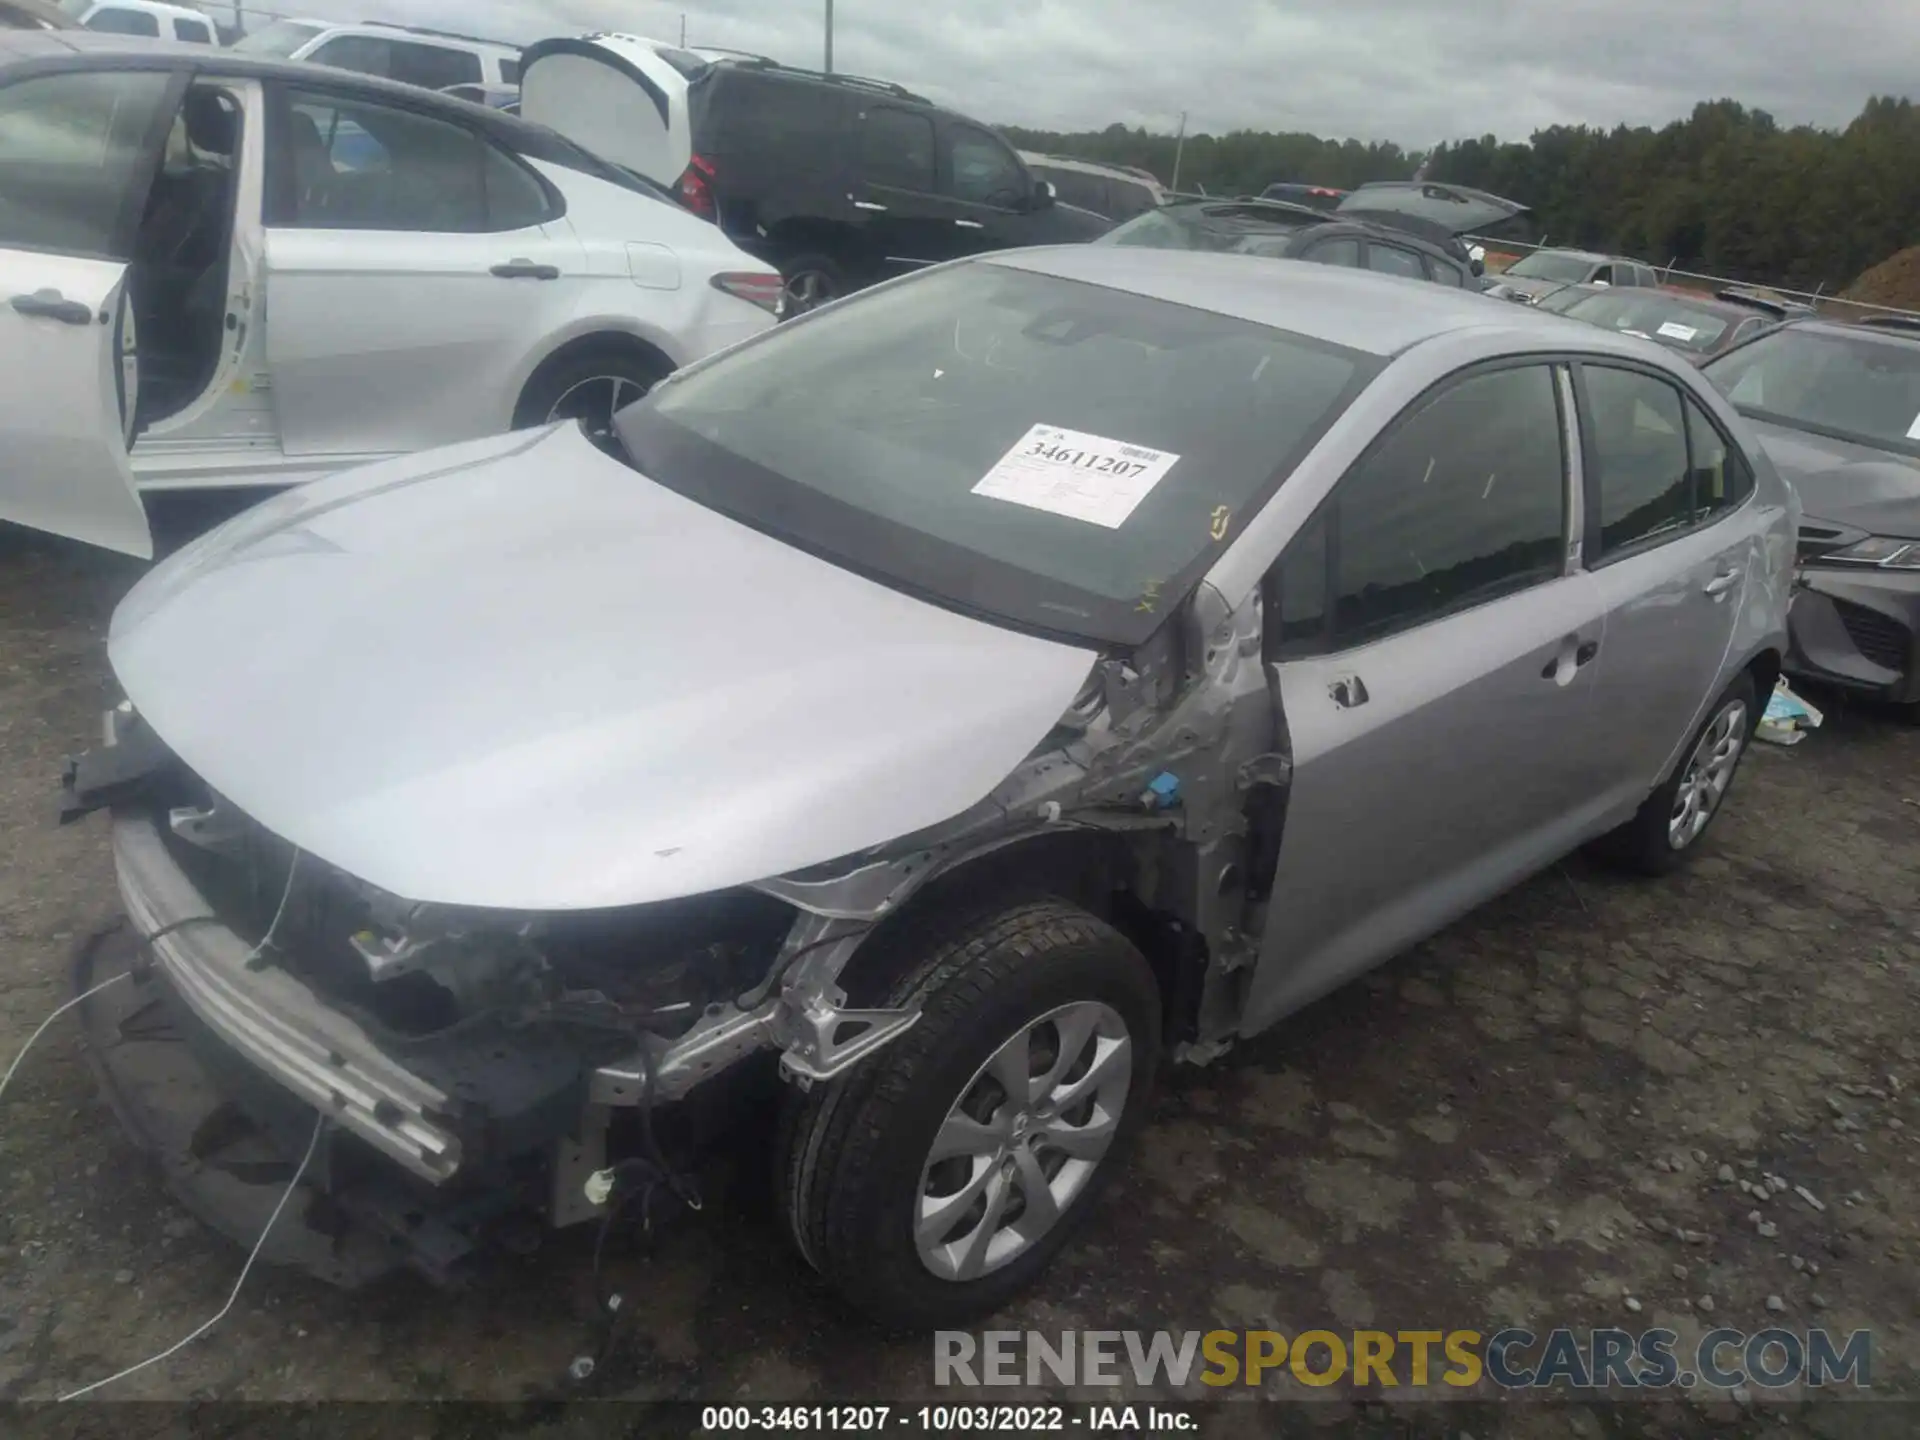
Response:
column 498, row 1060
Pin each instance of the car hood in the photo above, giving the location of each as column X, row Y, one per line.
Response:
column 1845, row 483
column 1529, row 285
column 518, row 674
column 1456, row 209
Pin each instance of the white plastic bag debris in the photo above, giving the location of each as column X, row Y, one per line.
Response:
column 1788, row 717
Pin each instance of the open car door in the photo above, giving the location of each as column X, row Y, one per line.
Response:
column 616, row 96
column 77, row 151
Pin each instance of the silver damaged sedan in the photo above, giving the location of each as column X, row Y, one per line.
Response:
column 957, row 704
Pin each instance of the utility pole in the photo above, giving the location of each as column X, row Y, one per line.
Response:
column 1179, row 147
column 829, row 37
column 683, row 29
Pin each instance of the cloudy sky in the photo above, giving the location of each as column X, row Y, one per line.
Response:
column 1414, row 71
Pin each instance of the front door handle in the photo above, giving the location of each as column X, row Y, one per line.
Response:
column 969, row 224
column 526, row 270
column 1349, row 692
column 868, row 205
column 52, row 305
column 1722, row 583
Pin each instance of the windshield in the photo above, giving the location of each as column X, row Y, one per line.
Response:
column 1225, row 229
column 281, row 38
column 1050, row 453
column 1551, row 265
column 1854, row 387
column 1672, row 322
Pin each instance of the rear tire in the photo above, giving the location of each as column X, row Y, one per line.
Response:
column 920, row 1241
column 813, row 280
column 1667, row 830
column 591, row 387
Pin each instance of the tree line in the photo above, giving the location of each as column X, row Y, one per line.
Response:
column 1727, row 191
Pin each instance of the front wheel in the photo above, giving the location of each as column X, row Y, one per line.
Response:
column 1668, row 828
column 938, row 1179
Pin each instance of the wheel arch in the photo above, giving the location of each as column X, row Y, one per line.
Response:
column 1765, row 669
column 598, row 338
column 1105, row 873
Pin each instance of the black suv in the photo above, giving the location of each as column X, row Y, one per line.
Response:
column 841, row 181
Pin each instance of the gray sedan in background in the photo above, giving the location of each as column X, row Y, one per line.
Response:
column 1837, row 406
column 958, row 701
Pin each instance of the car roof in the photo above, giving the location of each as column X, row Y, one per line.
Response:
column 1092, row 167
column 1377, row 314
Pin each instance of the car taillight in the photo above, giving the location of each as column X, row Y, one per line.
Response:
column 758, row 287
column 695, row 188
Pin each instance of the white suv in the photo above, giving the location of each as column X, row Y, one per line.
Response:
column 147, row 18
column 431, row 59
column 308, row 269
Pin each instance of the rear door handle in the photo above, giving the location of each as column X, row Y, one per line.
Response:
column 969, row 224
column 1722, row 583
column 1574, row 655
column 1349, row 692
column 526, row 270
column 52, row 305
column 868, row 205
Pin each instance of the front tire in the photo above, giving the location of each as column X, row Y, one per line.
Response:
column 1667, row 830
column 924, row 1186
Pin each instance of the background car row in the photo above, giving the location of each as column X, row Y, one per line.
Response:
column 281, row 270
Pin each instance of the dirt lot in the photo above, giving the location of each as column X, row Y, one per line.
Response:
column 1529, row 1120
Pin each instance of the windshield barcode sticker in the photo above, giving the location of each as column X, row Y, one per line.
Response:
column 1081, row 476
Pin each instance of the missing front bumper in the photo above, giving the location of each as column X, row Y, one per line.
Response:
column 274, row 1022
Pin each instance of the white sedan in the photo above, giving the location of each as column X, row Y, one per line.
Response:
column 221, row 270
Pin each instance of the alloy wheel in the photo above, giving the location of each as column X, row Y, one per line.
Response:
column 1703, row 784
column 1022, row 1140
column 807, row 290
column 594, row 402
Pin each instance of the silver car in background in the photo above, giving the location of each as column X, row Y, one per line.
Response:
column 963, row 697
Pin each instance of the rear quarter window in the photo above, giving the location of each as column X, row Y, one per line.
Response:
column 767, row 122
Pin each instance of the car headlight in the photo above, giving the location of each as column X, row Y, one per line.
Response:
column 1880, row 551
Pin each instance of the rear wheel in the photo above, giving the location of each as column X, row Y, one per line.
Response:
column 938, row 1179
column 1668, row 828
column 590, row 388
column 812, row 281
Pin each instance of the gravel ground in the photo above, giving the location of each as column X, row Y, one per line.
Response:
column 1554, row 1113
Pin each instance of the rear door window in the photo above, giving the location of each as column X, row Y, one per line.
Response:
column 1636, row 436
column 1393, row 260
column 896, row 149
column 1336, row 252
column 346, row 163
column 1721, row 480
column 193, row 31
